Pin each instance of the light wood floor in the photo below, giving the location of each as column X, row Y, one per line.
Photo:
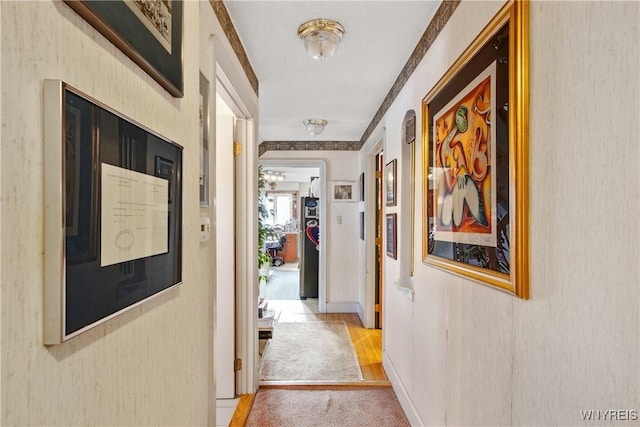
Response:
column 368, row 345
column 241, row 414
column 367, row 342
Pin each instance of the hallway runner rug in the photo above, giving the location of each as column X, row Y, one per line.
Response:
column 316, row 351
column 362, row 407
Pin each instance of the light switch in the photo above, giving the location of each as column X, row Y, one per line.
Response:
column 205, row 228
column 339, row 219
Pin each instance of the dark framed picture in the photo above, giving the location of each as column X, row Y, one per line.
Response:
column 113, row 220
column 392, row 241
column 390, row 183
column 475, row 176
column 148, row 32
column 362, row 187
column 361, row 225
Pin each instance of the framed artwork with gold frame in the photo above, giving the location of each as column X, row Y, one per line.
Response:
column 475, row 159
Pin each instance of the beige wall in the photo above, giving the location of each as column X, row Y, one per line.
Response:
column 463, row 354
column 459, row 353
column 151, row 365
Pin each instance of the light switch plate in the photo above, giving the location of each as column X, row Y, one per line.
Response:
column 205, row 228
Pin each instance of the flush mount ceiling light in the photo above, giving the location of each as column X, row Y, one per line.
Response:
column 315, row 126
column 321, row 37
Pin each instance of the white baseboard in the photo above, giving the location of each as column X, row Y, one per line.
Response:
column 403, row 396
column 360, row 313
column 343, row 307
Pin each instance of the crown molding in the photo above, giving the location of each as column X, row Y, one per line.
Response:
column 230, row 31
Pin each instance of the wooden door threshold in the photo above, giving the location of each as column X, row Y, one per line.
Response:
column 241, row 413
column 324, row 384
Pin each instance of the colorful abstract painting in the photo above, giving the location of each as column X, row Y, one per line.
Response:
column 464, row 151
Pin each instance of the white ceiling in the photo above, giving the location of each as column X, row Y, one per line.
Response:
column 346, row 89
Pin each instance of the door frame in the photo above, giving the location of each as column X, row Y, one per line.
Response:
column 224, row 225
column 246, row 270
column 370, row 232
column 322, row 256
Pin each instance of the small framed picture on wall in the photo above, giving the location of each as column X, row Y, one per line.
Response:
column 390, row 183
column 343, row 191
column 392, row 241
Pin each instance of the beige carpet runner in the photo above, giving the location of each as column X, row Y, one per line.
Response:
column 311, row 351
column 362, row 407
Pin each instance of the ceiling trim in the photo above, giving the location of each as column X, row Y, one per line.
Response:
column 308, row 146
column 229, row 30
column 436, row 25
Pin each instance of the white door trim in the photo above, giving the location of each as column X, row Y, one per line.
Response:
column 244, row 106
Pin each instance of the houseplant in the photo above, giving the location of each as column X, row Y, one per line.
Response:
column 264, row 259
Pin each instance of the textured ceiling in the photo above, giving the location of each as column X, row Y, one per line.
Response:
column 345, row 89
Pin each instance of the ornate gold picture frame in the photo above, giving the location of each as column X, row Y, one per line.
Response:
column 475, row 159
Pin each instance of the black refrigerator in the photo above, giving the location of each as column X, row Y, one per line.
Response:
column 310, row 249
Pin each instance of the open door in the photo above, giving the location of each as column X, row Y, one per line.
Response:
column 379, row 251
column 225, row 345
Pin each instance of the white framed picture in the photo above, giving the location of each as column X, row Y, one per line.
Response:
column 343, row 191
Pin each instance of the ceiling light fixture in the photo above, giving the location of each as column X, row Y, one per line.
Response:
column 321, row 37
column 274, row 176
column 315, row 126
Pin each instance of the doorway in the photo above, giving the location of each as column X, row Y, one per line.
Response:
column 373, row 240
column 234, row 225
column 378, row 240
column 290, row 285
column 225, row 187
column 290, row 185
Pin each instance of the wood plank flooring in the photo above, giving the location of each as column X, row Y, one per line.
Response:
column 368, row 346
column 367, row 342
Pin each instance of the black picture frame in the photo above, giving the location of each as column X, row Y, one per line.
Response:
column 153, row 42
column 84, row 286
column 390, row 183
column 392, row 241
column 361, row 225
column 362, row 187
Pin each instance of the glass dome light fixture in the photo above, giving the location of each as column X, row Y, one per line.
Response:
column 321, row 37
column 315, row 126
